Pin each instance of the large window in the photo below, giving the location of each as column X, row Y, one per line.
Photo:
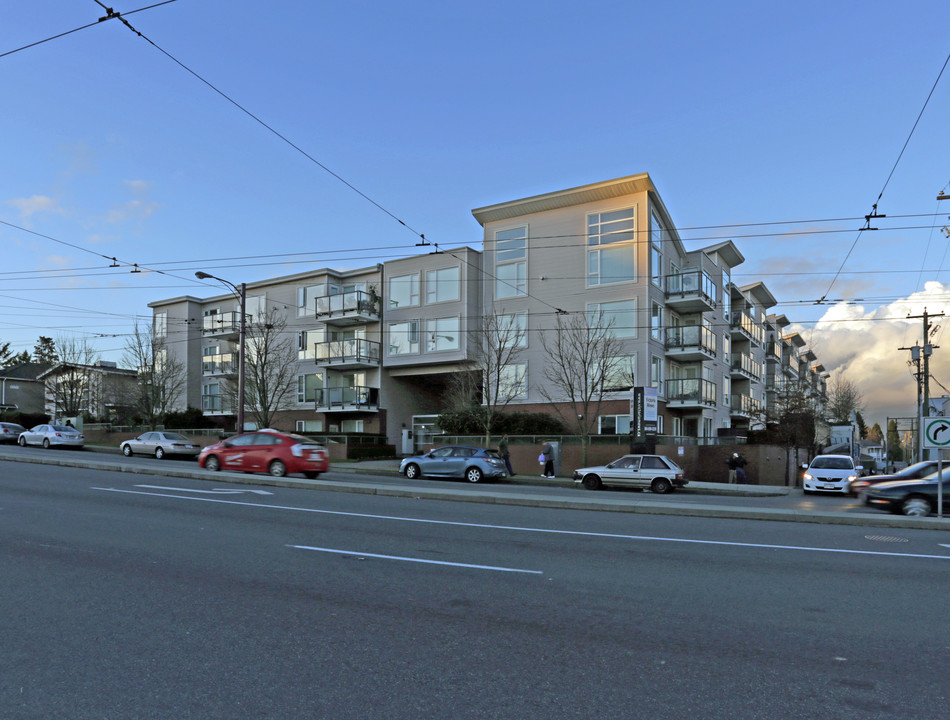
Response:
column 513, row 330
column 656, row 250
column 307, row 386
column 656, row 321
column 621, row 374
column 620, row 317
column 611, row 254
column 404, row 291
column 510, row 269
column 512, row 381
column 404, row 338
column 442, row 334
column 656, row 373
column 307, row 341
column 307, row 299
column 160, row 324
column 442, row 285
column 614, row 424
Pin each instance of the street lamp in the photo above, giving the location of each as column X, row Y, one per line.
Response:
column 241, row 292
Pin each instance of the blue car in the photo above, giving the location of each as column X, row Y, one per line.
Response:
column 455, row 461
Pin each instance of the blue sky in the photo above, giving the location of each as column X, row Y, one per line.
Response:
column 742, row 112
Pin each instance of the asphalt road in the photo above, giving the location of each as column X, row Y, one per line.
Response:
column 131, row 596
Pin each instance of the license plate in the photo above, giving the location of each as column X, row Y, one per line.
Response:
column 830, row 487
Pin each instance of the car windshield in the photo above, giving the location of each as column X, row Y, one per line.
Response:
column 832, row 463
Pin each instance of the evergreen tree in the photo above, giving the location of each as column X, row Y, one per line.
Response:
column 45, row 351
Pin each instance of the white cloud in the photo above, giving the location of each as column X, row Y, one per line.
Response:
column 35, row 204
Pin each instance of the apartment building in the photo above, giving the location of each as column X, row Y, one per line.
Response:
column 102, row 389
column 377, row 347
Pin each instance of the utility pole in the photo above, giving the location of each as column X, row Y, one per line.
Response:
column 919, row 354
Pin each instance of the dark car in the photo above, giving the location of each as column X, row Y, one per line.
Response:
column 911, row 472
column 9, row 432
column 470, row 463
column 267, row 451
column 909, row 497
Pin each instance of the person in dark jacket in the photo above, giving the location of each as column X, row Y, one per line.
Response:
column 548, row 453
column 503, row 451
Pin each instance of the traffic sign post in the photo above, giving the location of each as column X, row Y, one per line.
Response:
column 937, row 437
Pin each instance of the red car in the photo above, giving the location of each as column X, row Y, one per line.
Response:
column 267, row 451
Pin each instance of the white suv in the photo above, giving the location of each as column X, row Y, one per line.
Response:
column 831, row 473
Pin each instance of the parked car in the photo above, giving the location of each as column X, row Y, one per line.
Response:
column 656, row 472
column 51, row 435
column 911, row 472
column 160, row 444
column 830, row 473
column 9, row 432
column 470, row 463
column 269, row 451
column 909, row 497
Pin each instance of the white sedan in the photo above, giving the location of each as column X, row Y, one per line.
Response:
column 51, row 435
column 160, row 444
column 656, row 472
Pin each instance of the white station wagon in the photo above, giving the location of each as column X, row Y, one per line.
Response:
column 656, row 472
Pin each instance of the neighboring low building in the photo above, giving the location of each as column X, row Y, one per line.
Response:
column 21, row 390
column 102, row 390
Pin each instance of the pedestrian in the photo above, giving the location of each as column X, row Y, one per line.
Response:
column 732, row 462
column 503, row 451
column 741, row 462
column 547, row 457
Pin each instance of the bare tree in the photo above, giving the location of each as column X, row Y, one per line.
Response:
column 584, row 358
column 162, row 376
column 270, row 373
column 791, row 418
column 71, row 384
column 844, row 400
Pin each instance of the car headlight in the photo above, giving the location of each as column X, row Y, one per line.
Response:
column 808, row 476
column 852, row 478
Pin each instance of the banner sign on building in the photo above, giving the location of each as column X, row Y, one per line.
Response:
column 643, row 411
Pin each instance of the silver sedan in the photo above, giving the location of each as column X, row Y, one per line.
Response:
column 160, row 444
column 51, row 435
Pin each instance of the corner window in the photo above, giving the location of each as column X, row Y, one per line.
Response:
column 404, row 291
column 442, row 285
column 160, row 324
column 656, row 322
column 306, row 343
column 307, row 299
column 656, row 250
column 404, row 338
column 510, row 262
column 611, row 254
column 307, row 386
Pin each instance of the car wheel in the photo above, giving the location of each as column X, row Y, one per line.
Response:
column 592, row 482
column 311, row 475
column 473, row 475
column 46, row 443
column 21, row 441
column 159, row 453
column 916, row 506
column 661, row 486
column 127, row 450
column 277, row 468
column 212, row 463
column 413, row 471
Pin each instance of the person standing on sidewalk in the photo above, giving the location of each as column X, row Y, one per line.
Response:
column 733, row 463
column 503, row 451
column 547, row 452
column 741, row 462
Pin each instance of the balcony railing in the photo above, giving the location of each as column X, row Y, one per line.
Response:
column 690, row 391
column 348, row 398
column 353, row 351
column 225, row 364
column 215, row 403
column 746, row 365
column 744, row 405
column 227, row 323
column 747, row 326
column 691, row 337
column 691, row 291
column 348, row 307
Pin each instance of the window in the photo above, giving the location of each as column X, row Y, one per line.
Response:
column 307, row 386
column 309, row 426
column 611, row 254
column 614, row 424
column 620, row 317
column 307, row 299
column 404, row 338
column 513, row 330
column 656, row 373
column 442, row 285
column 512, row 381
column 726, row 347
column 621, row 374
column 255, row 308
column 510, row 269
column 160, row 324
column 726, row 295
column 726, row 389
column 656, row 321
column 306, row 343
column 351, row 426
column 656, row 250
column 404, row 291
column 442, row 334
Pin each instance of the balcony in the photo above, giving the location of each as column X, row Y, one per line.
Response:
column 348, row 399
column 690, row 343
column 690, row 292
column 356, row 307
column 225, row 364
column 744, row 406
column 216, row 404
column 690, row 393
column 772, row 353
column 744, row 327
column 351, row 354
column 744, row 366
column 222, row 324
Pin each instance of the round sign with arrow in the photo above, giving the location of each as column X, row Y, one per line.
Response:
column 936, row 432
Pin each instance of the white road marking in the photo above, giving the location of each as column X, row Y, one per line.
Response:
column 549, row 531
column 415, row 560
column 217, row 491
